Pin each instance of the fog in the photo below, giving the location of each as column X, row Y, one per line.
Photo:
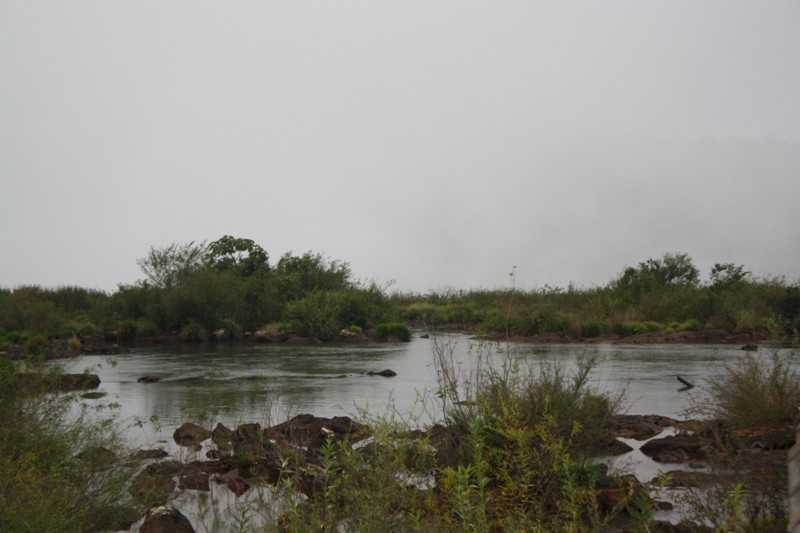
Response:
column 429, row 144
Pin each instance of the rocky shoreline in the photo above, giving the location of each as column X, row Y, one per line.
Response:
column 251, row 455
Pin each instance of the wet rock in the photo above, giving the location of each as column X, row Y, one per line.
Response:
column 750, row 347
column 613, row 447
column 148, row 379
column 166, row 519
column 195, row 481
column 685, row 479
column 58, row 382
column 249, row 439
column 674, row 449
column 221, row 435
column 388, row 373
column 305, row 430
column 190, row 435
column 639, row 427
column 92, row 395
column 155, row 483
column 98, row 455
column 234, row 481
column 767, row 438
column 150, row 454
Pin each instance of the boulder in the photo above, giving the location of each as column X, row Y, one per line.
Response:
column 150, row 454
column 234, row 480
column 190, row 434
column 165, row 519
column 674, row 449
column 388, row 373
column 305, row 430
column 155, row 484
column 639, row 427
column 249, row 439
column 195, row 481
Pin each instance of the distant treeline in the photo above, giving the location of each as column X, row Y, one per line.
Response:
column 229, row 288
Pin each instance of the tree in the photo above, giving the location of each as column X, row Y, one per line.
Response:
column 727, row 275
column 672, row 269
column 243, row 256
column 166, row 267
column 299, row 276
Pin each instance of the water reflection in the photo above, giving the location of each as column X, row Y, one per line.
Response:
column 270, row 382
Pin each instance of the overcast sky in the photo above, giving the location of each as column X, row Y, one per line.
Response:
column 433, row 143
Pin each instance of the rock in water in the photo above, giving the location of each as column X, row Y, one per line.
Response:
column 388, row 373
column 165, row 519
column 190, row 434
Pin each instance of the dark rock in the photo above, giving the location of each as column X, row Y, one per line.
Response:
column 388, row 373
column 685, row 479
column 98, row 455
column 613, row 447
column 249, row 439
column 57, row 382
column 448, row 444
column 195, row 481
column 214, row 454
column 155, row 483
column 305, row 430
column 190, row 435
column 150, row 454
column 750, row 347
column 221, row 432
column 92, row 395
column 767, row 438
column 148, row 379
column 674, row 449
column 639, row 427
column 235, row 483
column 166, row 519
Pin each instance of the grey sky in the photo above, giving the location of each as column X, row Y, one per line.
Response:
column 437, row 144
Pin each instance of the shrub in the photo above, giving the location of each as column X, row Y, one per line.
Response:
column 49, row 478
column 629, row 328
column 393, row 329
column 753, row 392
column 194, row 331
column 594, row 329
column 35, row 346
column 651, row 325
column 692, row 324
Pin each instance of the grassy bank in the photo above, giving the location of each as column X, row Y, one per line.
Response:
column 229, row 290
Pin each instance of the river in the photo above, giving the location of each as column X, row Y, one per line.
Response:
column 268, row 383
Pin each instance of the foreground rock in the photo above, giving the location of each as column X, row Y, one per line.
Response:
column 639, row 427
column 190, row 434
column 675, row 449
column 58, row 382
column 165, row 519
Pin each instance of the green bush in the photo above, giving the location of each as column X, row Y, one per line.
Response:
column 595, row 328
column 692, row 324
column 194, row 331
column 753, row 391
column 629, row 328
column 35, row 346
column 393, row 329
